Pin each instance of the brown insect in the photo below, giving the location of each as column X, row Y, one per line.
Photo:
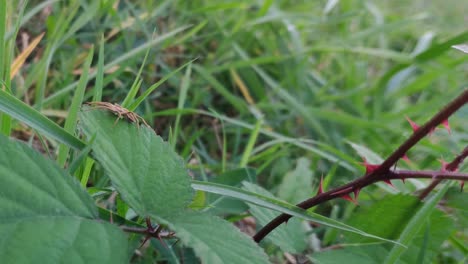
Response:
column 120, row 111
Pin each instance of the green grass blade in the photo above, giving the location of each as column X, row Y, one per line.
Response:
column 98, row 86
column 24, row 113
column 309, row 145
column 124, row 57
column 180, row 104
column 277, row 205
column 30, row 14
column 5, row 120
column 80, row 158
column 70, row 122
column 286, row 96
column 438, row 49
column 219, row 87
column 153, row 87
column 250, row 144
column 136, row 83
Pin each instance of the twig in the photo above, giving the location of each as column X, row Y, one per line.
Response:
column 452, row 166
column 379, row 173
column 436, row 175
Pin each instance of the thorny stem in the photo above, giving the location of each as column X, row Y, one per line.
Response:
column 436, row 175
column 452, row 166
column 381, row 173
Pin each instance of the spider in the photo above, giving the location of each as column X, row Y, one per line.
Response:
column 120, row 111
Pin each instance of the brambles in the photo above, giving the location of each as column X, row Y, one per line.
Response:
column 120, row 111
column 382, row 172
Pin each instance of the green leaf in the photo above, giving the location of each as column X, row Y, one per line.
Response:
column 214, row 239
column 149, row 175
column 426, row 243
column 414, row 224
column 385, row 218
column 221, row 205
column 24, row 113
column 46, row 216
column 392, row 218
column 297, row 184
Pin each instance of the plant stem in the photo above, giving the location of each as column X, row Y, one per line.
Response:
column 452, row 166
column 381, row 173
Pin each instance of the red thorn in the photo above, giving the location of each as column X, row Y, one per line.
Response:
column 389, row 183
column 444, row 165
column 462, row 184
column 349, row 198
column 320, row 189
column 414, row 126
column 370, row 167
column 403, row 180
column 445, row 123
column 405, row 158
column 356, row 193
